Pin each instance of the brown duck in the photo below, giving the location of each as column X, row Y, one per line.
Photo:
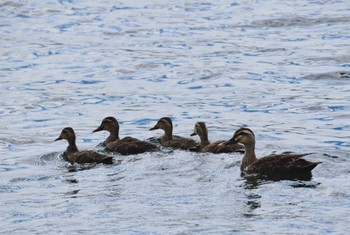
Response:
column 168, row 140
column 204, row 146
column 125, row 146
column 75, row 156
column 274, row 165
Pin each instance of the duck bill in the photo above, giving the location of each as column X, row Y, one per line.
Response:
column 97, row 129
column 59, row 138
column 154, row 128
column 193, row 134
column 231, row 141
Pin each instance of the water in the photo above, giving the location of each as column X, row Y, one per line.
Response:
column 278, row 67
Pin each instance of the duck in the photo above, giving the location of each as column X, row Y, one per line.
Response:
column 205, row 146
column 168, row 139
column 127, row 145
column 276, row 166
column 73, row 155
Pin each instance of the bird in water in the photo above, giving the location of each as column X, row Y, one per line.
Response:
column 275, row 166
column 204, row 146
column 73, row 155
column 168, row 139
column 125, row 146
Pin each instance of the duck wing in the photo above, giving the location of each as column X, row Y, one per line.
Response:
column 282, row 164
column 180, row 143
column 215, row 148
column 91, row 157
column 130, row 145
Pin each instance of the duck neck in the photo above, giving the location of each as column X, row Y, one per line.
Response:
column 204, row 139
column 113, row 135
column 249, row 155
column 168, row 135
column 72, row 147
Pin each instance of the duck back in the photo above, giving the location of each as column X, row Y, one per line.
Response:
column 216, row 149
column 89, row 157
column 178, row 142
column 129, row 145
column 282, row 164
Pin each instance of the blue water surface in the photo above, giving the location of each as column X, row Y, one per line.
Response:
column 280, row 68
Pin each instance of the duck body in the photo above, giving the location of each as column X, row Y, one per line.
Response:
column 216, row 149
column 178, row 142
column 168, row 139
column 281, row 164
column 205, row 146
column 286, row 165
column 73, row 155
column 125, row 146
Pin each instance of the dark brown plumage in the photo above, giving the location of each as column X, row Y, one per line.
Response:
column 125, row 146
column 75, row 156
column 201, row 130
column 168, row 140
column 274, row 165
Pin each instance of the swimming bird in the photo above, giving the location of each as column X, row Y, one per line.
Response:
column 168, row 140
column 201, row 130
column 287, row 165
column 125, row 146
column 75, row 156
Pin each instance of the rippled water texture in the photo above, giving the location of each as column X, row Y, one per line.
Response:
column 279, row 67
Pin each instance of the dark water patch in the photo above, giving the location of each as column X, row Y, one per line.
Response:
column 8, row 167
column 343, row 60
column 48, row 53
column 233, row 165
column 9, row 188
column 65, row 27
column 22, row 16
column 162, row 78
column 90, row 82
column 303, row 184
column 298, row 21
column 330, row 155
column 73, row 192
column 11, row 4
column 30, row 179
column 71, row 181
column 18, row 68
column 340, row 75
column 338, row 143
column 93, row 101
column 122, row 8
column 89, row 166
column 144, row 121
column 257, row 179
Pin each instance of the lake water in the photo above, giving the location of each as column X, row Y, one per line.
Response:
column 281, row 68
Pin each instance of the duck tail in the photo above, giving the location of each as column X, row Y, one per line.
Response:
column 310, row 166
column 107, row 160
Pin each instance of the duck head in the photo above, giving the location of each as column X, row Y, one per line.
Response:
column 108, row 124
column 244, row 136
column 164, row 123
column 200, row 129
column 67, row 134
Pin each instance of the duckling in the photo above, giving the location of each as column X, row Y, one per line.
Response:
column 125, row 146
column 75, row 156
column 201, row 130
column 168, row 140
column 275, row 165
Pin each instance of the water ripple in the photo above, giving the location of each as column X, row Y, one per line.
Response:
column 277, row 67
